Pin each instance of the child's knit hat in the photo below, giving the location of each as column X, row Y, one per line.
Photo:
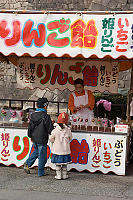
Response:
column 63, row 118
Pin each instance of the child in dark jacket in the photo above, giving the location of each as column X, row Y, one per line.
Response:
column 40, row 127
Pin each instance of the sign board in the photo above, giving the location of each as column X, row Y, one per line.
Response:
column 89, row 151
column 71, row 34
column 58, row 73
column 121, row 128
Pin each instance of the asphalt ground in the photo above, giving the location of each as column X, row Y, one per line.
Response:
column 16, row 184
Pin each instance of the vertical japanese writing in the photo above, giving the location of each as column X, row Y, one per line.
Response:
column 132, row 37
column 21, row 71
column 96, row 158
column 107, row 155
column 122, row 35
column 32, row 70
column 5, row 138
column 108, row 79
column 114, row 74
column 27, row 76
column 107, row 39
column 118, row 152
column 102, row 75
column 27, row 73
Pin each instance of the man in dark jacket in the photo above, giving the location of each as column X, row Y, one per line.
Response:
column 40, row 127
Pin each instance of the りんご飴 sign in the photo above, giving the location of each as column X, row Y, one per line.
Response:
column 57, row 73
column 71, row 34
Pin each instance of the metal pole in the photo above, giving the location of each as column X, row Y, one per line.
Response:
column 34, row 104
column 10, row 103
column 58, row 108
column 131, row 84
column 129, row 95
column 64, row 12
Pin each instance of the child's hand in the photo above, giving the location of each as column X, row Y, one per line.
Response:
column 51, row 139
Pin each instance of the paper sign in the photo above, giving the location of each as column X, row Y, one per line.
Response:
column 121, row 128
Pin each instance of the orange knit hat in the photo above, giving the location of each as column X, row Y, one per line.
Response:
column 63, row 118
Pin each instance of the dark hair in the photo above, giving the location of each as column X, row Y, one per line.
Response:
column 102, row 111
column 61, row 125
column 79, row 81
column 42, row 102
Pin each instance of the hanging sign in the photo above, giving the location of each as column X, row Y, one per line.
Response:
column 71, row 34
column 56, row 73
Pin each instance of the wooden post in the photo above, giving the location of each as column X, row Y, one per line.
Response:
column 131, row 85
column 129, row 97
column 130, row 94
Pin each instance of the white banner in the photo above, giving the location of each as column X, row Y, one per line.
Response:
column 71, row 34
column 56, row 73
column 92, row 152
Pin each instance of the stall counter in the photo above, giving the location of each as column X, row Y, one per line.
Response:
column 92, row 151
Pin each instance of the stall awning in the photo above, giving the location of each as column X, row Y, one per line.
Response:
column 73, row 34
column 124, row 63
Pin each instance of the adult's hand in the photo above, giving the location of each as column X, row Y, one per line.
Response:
column 76, row 109
column 84, row 106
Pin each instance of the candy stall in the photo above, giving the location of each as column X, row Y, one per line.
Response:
column 93, row 148
column 51, row 51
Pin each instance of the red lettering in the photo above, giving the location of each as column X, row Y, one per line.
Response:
column 55, row 42
column 4, row 32
column 38, row 36
column 40, row 73
column 15, row 36
column 16, row 146
column 59, row 75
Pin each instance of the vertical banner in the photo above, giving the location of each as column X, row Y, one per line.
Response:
column 58, row 73
column 92, row 152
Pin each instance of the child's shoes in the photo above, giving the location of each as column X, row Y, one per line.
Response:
column 64, row 176
column 58, row 175
column 58, row 172
column 64, row 172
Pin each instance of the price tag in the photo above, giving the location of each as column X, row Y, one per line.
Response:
column 121, row 128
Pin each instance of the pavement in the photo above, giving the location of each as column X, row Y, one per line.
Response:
column 15, row 184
